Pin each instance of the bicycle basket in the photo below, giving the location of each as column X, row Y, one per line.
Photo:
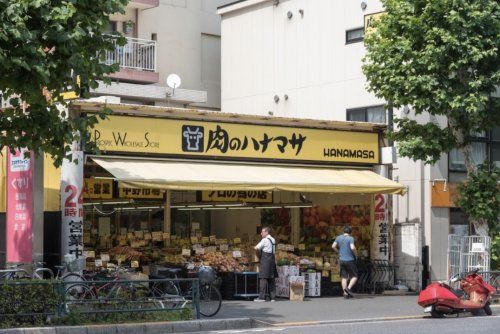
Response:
column 206, row 275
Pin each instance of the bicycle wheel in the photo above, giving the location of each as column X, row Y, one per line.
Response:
column 73, row 277
column 79, row 297
column 165, row 289
column 210, row 300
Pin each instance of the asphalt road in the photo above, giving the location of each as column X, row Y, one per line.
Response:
column 472, row 325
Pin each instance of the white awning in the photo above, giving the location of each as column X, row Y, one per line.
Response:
column 183, row 175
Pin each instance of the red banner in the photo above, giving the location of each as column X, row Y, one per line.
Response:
column 19, row 236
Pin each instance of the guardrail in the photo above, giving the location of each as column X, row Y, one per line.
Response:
column 138, row 54
column 41, row 301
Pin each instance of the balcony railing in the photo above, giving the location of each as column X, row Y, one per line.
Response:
column 137, row 54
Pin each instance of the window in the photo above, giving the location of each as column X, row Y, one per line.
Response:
column 459, row 223
column 354, row 35
column 457, row 160
column 485, row 147
column 111, row 27
column 375, row 114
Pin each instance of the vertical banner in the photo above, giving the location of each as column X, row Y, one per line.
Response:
column 19, row 235
column 72, row 208
column 380, row 236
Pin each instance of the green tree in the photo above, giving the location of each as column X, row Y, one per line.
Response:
column 45, row 45
column 440, row 57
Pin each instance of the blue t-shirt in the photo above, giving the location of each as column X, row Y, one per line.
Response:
column 344, row 245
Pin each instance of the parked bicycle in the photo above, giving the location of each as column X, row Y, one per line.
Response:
column 109, row 287
column 39, row 271
column 210, row 297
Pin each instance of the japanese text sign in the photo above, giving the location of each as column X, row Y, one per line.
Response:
column 233, row 140
column 19, row 237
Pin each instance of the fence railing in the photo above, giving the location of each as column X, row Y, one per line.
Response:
column 41, row 300
column 138, row 54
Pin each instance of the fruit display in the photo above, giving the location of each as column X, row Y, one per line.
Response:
column 286, row 258
column 279, row 221
column 320, row 225
column 127, row 253
column 223, row 262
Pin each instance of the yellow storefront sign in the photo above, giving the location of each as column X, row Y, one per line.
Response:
column 174, row 137
column 143, row 193
column 98, row 188
column 237, row 196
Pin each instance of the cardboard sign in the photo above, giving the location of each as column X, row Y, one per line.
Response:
column 186, row 252
column 200, row 251
column 237, row 241
column 317, row 249
column 302, row 247
column 236, row 254
column 105, row 257
column 134, row 264
column 205, row 240
column 224, row 247
column 194, row 240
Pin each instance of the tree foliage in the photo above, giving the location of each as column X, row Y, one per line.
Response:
column 480, row 197
column 439, row 57
column 45, row 45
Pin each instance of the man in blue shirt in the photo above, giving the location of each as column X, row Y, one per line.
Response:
column 344, row 244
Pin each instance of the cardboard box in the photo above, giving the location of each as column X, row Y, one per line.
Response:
column 297, row 292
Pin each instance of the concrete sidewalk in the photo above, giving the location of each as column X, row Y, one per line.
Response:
column 322, row 309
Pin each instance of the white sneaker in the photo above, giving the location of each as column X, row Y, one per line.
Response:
column 258, row 300
column 273, row 300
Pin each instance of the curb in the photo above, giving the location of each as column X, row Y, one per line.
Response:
column 146, row 328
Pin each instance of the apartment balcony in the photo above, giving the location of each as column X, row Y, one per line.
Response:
column 143, row 4
column 137, row 60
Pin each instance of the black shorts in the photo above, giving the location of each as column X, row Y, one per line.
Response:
column 348, row 269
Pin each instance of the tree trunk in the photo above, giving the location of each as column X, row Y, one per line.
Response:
column 480, row 225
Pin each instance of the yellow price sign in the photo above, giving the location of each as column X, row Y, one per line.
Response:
column 302, row 247
column 317, row 249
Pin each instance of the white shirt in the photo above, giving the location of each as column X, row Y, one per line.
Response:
column 266, row 244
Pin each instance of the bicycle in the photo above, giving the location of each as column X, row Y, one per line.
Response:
column 210, row 297
column 112, row 291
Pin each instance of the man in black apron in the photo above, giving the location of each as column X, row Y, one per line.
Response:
column 268, row 271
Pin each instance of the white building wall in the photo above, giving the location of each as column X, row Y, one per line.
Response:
column 188, row 43
column 266, row 54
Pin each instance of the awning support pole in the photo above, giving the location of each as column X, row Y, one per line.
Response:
column 166, row 213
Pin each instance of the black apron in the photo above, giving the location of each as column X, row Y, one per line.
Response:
column 268, row 264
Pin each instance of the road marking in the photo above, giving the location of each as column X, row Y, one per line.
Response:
column 321, row 322
column 325, row 323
